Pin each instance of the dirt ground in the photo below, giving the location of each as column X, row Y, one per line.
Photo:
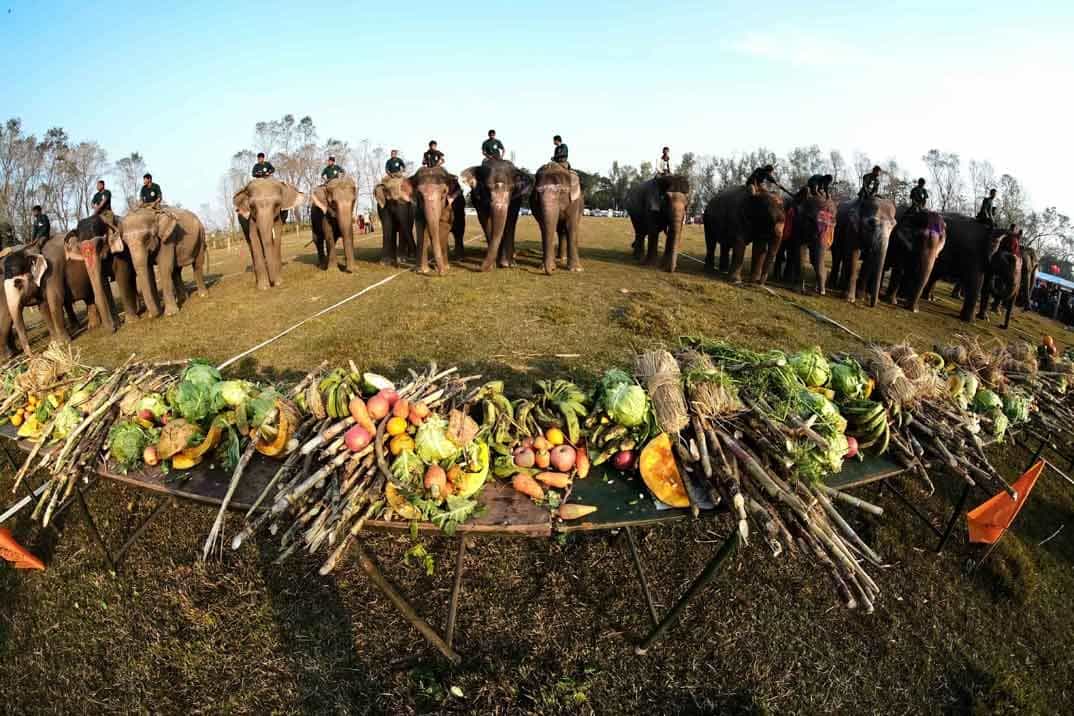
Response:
column 544, row 626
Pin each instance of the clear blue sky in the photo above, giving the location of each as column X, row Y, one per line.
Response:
column 184, row 83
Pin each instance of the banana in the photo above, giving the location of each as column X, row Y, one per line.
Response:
column 614, row 435
column 522, row 415
column 573, row 432
column 503, row 405
column 488, row 411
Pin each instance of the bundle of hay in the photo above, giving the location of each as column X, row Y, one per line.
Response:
column 955, row 354
column 45, row 370
column 659, row 372
column 711, row 391
column 891, row 382
column 923, row 379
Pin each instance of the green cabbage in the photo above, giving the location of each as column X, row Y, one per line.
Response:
column 1016, row 407
column 153, row 402
column 985, row 400
column 193, row 401
column 233, row 393
column 622, row 398
column 849, row 380
column 407, row 470
column 127, row 441
column 432, row 441
column 826, row 410
column 201, row 373
column 811, row 366
column 969, row 385
column 257, row 408
column 65, row 421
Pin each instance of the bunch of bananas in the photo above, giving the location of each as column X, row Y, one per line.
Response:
column 497, row 416
column 867, row 422
column 560, row 401
column 331, row 396
column 609, row 438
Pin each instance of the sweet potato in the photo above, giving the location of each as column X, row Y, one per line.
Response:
column 581, row 462
column 401, row 409
column 570, row 511
column 527, row 486
column 554, row 479
column 360, row 414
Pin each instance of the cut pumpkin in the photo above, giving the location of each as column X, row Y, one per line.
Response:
column 210, row 441
column 288, row 417
column 400, row 504
column 661, row 476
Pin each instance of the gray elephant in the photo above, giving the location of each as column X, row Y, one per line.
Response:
column 497, row 188
column 52, row 276
column 736, row 217
column 808, row 232
column 557, row 203
column 437, row 193
column 260, row 206
column 658, row 206
column 916, row 243
column 862, row 234
column 395, row 209
column 106, row 259
column 173, row 238
column 966, row 258
column 332, row 218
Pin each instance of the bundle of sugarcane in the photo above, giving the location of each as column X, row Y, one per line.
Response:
column 85, row 445
column 744, row 427
column 326, row 491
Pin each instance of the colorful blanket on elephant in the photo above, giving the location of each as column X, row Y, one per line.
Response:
column 826, row 226
column 788, row 224
column 935, row 224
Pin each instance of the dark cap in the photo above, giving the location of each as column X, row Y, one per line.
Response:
column 557, row 138
column 921, row 180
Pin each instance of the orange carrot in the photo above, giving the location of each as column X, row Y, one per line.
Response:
column 554, row 479
column 527, row 486
column 581, row 462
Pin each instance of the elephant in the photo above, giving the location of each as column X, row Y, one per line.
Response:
column 736, row 217
column 655, row 206
column 332, row 218
column 557, row 203
column 106, row 258
column 51, row 275
column 1030, row 263
column 965, row 258
column 915, row 245
column 172, row 238
column 439, row 196
column 260, row 206
column 395, row 208
column 1002, row 282
column 862, row 234
column 497, row 188
column 808, row 229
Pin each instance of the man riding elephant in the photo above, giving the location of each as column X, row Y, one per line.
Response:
column 102, row 207
column 433, row 157
column 820, row 185
column 870, row 184
column 919, row 197
column 394, row 166
column 663, row 164
column 150, row 193
column 331, row 171
column 263, row 169
column 759, row 177
column 492, row 148
column 41, row 229
column 559, row 154
column 987, row 213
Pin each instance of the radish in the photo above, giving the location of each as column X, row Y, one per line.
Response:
column 852, row 447
column 623, row 460
column 357, row 438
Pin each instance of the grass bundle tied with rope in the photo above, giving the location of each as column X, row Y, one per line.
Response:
column 659, row 372
column 711, row 392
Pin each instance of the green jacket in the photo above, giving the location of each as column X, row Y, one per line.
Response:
column 263, row 170
column 492, row 148
column 150, row 194
column 332, row 171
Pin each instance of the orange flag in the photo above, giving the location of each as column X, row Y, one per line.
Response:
column 988, row 521
column 15, row 553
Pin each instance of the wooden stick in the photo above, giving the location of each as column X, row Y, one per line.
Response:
column 851, row 500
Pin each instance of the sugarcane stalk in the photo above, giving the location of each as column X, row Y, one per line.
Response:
column 851, row 500
column 848, row 531
column 218, row 524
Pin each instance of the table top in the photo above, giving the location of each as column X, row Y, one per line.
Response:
column 622, row 500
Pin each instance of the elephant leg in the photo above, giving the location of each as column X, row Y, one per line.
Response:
column 424, row 236
column 803, row 261
column 331, row 259
column 928, row 261
column 69, row 310
column 1008, row 305
column 53, row 309
column 972, row 292
column 274, row 254
column 638, row 247
column 257, row 257
column 738, row 255
column 180, row 287
column 652, row 248
column 769, row 260
column 820, row 269
column 166, row 264
column 199, row 272
column 574, row 262
column 854, row 267
column 725, row 257
column 348, row 254
column 758, row 260
column 13, row 295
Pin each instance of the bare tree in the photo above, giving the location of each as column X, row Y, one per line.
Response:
column 1013, row 204
column 369, row 164
column 802, row 163
column 838, row 165
column 129, row 172
column 982, row 178
column 945, row 171
column 895, row 183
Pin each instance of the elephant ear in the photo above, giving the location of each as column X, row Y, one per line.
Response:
column 576, row 187
column 38, row 267
column 115, row 238
column 319, row 197
column 166, row 226
column 290, row 197
column 378, row 194
column 523, row 183
column 469, row 176
column 242, row 204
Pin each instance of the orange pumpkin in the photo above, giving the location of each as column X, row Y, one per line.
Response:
column 661, row 475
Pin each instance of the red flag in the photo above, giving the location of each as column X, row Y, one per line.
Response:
column 15, row 553
column 990, row 520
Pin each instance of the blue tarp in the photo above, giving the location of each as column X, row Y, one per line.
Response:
column 1057, row 280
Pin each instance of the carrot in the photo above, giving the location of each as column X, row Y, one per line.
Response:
column 360, row 414
column 573, row 512
column 527, row 486
column 581, row 462
column 554, row 479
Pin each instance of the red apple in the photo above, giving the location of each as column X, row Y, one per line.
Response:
column 357, row 438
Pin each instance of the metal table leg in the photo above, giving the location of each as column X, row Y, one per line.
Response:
column 453, row 606
column 710, row 571
column 914, row 509
column 380, row 582
column 954, row 518
column 641, row 576
column 93, row 528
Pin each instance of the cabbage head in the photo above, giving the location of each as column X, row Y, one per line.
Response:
column 201, row 372
column 1016, row 407
column 999, row 424
column 985, row 400
column 127, row 441
column 233, row 393
column 193, row 401
column 65, row 421
column 432, row 442
column 153, row 402
column 826, row 410
column 811, row 367
column 849, row 380
column 627, row 404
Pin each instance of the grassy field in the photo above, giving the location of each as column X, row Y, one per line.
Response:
column 545, row 627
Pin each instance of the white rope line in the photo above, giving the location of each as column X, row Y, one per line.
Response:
column 320, row 313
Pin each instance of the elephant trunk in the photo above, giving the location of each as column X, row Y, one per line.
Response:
column 267, row 245
column 874, row 270
column 549, row 208
column 432, row 209
column 676, row 220
column 345, row 221
column 95, row 270
column 497, row 223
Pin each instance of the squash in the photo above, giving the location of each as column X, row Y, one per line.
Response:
column 288, row 418
column 397, row 502
column 184, row 460
column 661, row 475
column 211, row 440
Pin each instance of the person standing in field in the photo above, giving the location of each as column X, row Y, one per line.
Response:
column 492, row 148
column 263, row 169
